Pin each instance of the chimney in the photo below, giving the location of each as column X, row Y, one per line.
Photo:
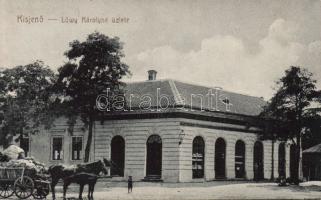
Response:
column 152, row 75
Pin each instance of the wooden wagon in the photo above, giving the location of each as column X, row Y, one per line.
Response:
column 23, row 183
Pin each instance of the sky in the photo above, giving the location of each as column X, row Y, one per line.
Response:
column 242, row 46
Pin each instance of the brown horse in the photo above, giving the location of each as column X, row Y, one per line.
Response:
column 81, row 179
column 61, row 171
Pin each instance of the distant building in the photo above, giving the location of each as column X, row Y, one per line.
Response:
column 175, row 132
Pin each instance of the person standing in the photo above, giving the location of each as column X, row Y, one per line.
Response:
column 130, row 184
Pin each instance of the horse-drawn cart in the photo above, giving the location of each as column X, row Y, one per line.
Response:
column 23, row 183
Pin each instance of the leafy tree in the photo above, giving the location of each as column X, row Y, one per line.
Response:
column 288, row 110
column 24, row 99
column 94, row 65
column 312, row 130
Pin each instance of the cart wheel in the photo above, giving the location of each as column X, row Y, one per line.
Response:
column 41, row 191
column 6, row 190
column 23, row 187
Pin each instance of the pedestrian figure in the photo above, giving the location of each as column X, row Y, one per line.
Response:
column 130, row 184
column 282, row 181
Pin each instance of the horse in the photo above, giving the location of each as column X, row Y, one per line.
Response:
column 82, row 179
column 111, row 164
column 60, row 171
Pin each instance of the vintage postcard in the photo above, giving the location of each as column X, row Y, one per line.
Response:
column 172, row 99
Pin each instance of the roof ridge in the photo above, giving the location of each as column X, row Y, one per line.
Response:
column 200, row 85
column 177, row 96
column 313, row 148
column 146, row 81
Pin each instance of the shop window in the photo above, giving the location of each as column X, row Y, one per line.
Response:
column 198, row 157
column 220, row 158
column 240, row 159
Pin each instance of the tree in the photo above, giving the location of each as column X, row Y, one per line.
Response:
column 93, row 66
column 288, row 110
column 312, row 130
column 24, row 99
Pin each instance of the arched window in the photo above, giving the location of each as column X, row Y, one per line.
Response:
column 198, row 157
column 258, row 164
column 117, row 156
column 220, row 154
column 282, row 161
column 154, row 156
column 240, row 159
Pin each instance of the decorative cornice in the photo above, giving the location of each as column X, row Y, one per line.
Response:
column 219, row 127
column 249, row 121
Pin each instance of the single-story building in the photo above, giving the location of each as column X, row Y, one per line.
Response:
column 312, row 163
column 174, row 132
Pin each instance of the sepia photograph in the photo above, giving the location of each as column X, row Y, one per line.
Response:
column 149, row 99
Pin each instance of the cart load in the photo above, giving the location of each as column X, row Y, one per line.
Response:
column 28, row 163
column 13, row 152
column 24, row 178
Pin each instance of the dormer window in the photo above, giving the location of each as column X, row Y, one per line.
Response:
column 227, row 103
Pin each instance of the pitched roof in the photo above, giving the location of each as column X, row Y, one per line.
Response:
column 191, row 96
column 314, row 149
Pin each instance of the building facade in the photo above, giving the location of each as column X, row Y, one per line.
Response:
column 173, row 132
